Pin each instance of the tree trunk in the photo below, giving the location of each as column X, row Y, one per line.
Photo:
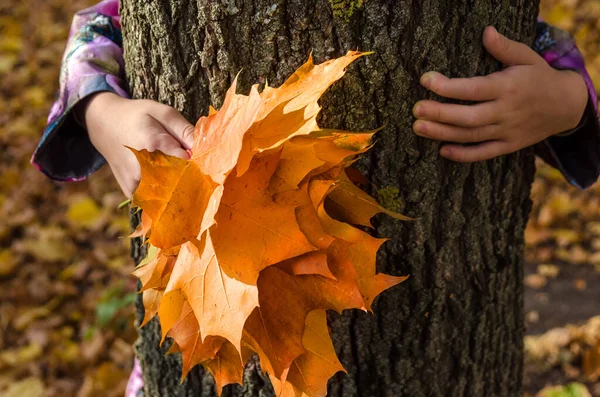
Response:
column 455, row 328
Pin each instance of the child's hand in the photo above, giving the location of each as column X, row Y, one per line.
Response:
column 113, row 122
column 518, row 107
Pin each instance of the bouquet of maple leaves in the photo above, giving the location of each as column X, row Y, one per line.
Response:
column 251, row 240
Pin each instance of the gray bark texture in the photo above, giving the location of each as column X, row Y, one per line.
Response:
column 455, row 328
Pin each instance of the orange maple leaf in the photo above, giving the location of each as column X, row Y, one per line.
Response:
column 253, row 231
column 311, row 371
column 355, row 206
column 169, row 311
column 254, row 237
column 186, row 334
column 143, row 228
column 226, row 367
column 151, row 299
column 169, row 189
column 296, row 98
column 286, row 300
column 220, row 303
column 155, row 270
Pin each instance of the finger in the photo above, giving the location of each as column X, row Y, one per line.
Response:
column 449, row 133
column 470, row 154
column 167, row 144
column 176, row 152
column 175, row 124
column 507, row 51
column 459, row 115
column 480, row 88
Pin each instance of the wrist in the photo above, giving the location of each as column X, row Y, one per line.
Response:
column 575, row 100
column 93, row 106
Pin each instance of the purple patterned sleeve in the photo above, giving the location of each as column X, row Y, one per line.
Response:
column 576, row 153
column 135, row 385
column 92, row 62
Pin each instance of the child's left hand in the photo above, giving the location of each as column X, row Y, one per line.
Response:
column 520, row 106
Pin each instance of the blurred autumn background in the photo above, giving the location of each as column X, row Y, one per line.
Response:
column 66, row 315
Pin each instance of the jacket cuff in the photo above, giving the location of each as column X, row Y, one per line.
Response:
column 577, row 155
column 65, row 152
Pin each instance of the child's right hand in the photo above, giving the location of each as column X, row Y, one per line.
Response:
column 113, row 123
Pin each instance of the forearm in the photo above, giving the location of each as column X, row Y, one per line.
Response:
column 92, row 63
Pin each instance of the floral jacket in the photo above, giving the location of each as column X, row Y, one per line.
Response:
column 93, row 62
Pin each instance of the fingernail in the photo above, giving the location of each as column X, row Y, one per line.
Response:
column 498, row 35
column 418, row 110
column 420, row 128
column 426, row 80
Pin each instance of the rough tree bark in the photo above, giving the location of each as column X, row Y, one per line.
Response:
column 456, row 327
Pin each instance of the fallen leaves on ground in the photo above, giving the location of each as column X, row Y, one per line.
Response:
column 564, row 225
column 571, row 351
column 61, row 260
column 562, row 276
column 262, row 217
column 66, row 317
column 570, row 390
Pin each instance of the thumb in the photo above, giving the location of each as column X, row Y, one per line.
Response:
column 509, row 52
column 175, row 124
